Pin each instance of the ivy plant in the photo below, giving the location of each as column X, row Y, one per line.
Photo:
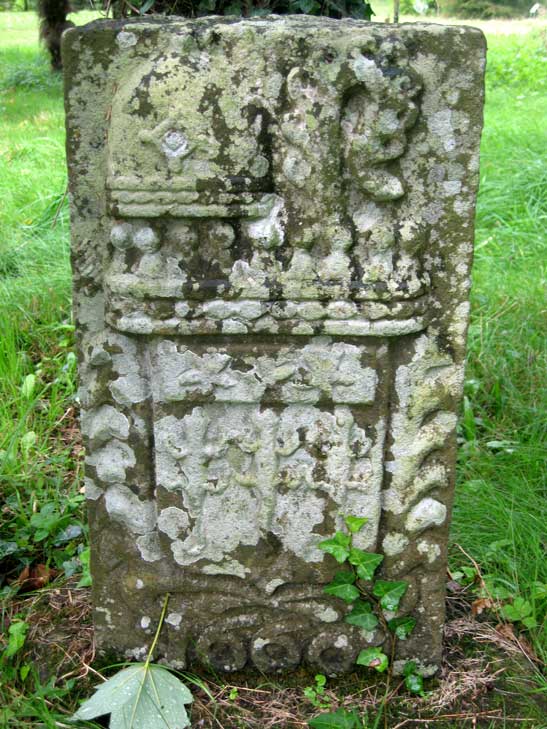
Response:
column 359, row 9
column 370, row 598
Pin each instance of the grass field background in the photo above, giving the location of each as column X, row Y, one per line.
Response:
column 500, row 512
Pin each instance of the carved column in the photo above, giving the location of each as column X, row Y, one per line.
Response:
column 272, row 235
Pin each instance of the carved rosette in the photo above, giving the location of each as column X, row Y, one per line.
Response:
column 272, row 227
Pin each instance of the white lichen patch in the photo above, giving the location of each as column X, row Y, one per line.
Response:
column 126, row 40
column 172, row 521
column 103, row 423
column 431, row 550
column 92, row 491
column 327, row 614
column 260, row 643
column 136, row 654
column 269, row 232
column 394, row 543
column 272, row 585
column 124, row 507
column 427, row 513
column 441, row 124
column 149, row 547
column 228, row 567
column 174, row 619
column 424, row 669
column 107, row 614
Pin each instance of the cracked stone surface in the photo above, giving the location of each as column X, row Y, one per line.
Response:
column 272, row 228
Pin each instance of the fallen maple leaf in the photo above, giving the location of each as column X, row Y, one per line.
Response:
column 35, row 577
column 507, row 631
column 480, row 605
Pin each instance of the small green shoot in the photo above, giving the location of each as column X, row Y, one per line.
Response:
column 315, row 694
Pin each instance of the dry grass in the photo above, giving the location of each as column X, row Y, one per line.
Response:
column 60, row 630
column 464, row 694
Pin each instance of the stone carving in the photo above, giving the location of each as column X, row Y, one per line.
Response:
column 272, row 234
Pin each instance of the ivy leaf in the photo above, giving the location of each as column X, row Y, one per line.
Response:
column 361, row 11
column 362, row 616
column 339, row 719
column 355, row 523
column 142, row 695
column 413, row 681
column 366, row 562
column 373, row 658
column 402, row 627
column 342, row 586
column 390, row 593
column 338, row 546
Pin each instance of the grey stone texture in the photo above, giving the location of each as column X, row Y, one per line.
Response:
column 272, row 237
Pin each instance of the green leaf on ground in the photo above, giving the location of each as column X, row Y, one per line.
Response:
column 342, row 586
column 390, row 593
column 362, row 616
column 366, row 563
column 27, row 388
column 338, row 546
column 519, row 609
column 373, row 658
column 142, row 695
column 355, row 523
column 339, row 719
column 414, row 683
column 402, row 627
column 17, row 632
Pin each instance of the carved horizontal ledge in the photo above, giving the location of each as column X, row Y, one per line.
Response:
column 183, row 196
column 126, row 188
column 191, row 210
column 251, row 316
column 309, row 290
column 145, row 325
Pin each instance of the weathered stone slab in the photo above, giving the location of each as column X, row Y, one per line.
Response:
column 272, row 236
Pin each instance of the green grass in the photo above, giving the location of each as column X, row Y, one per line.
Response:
column 501, row 505
column 500, row 510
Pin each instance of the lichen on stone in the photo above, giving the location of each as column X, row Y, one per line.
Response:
column 272, row 227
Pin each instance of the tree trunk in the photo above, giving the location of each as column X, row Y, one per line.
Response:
column 53, row 21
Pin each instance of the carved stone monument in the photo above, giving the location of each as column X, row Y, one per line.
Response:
column 272, row 236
